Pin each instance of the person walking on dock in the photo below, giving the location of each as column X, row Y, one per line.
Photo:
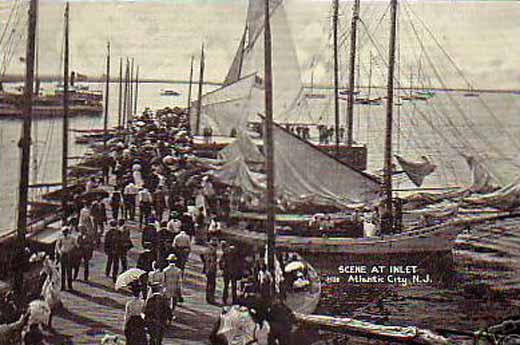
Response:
column 209, row 259
column 65, row 245
column 229, row 264
column 157, row 314
column 115, row 204
column 144, row 199
column 86, row 246
column 130, row 193
column 134, row 327
column 124, row 244
column 111, row 237
column 159, row 202
column 172, row 281
column 182, row 249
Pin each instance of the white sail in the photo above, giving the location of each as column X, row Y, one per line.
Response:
column 237, row 173
column 483, row 180
column 244, row 148
column 416, row 171
column 305, row 174
column 242, row 97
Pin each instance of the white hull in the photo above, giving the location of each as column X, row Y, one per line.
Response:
column 438, row 238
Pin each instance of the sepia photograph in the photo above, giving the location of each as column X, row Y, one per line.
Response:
column 259, row 172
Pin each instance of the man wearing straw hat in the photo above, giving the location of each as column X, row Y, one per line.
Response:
column 172, row 281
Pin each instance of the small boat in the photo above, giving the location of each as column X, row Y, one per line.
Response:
column 169, row 92
column 347, row 92
column 315, row 96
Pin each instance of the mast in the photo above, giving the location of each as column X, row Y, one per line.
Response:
column 125, row 97
column 136, row 93
column 65, row 137
column 201, row 80
column 387, row 217
column 189, row 95
column 131, row 89
column 107, row 97
column 268, row 143
column 25, row 145
column 336, row 72
column 352, row 73
column 119, row 118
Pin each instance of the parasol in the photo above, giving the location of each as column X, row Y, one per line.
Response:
column 294, row 266
column 128, row 277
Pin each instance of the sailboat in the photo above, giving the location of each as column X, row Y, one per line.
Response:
column 305, row 175
column 235, row 106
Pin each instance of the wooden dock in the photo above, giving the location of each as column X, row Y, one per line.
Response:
column 95, row 308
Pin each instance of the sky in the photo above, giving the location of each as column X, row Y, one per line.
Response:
column 480, row 36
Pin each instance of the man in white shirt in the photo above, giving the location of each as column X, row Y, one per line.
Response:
column 144, row 199
column 65, row 246
column 182, row 248
column 130, row 193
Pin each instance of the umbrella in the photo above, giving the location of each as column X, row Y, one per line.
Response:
column 128, row 277
column 294, row 266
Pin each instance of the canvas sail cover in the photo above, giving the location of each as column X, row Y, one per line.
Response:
column 237, row 173
column 416, row 171
column 507, row 197
column 482, row 180
column 304, row 173
column 242, row 147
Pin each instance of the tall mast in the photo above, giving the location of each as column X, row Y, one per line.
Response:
column 387, row 217
column 65, row 144
column 201, row 81
column 268, row 142
column 189, row 94
column 352, row 73
column 119, row 118
column 125, row 97
column 25, row 144
column 336, row 72
column 131, row 89
column 107, row 98
column 136, row 93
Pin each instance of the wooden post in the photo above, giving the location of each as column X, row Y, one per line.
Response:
column 105, row 122
column 352, row 74
column 336, row 73
column 268, row 143
column 65, row 137
column 25, row 147
column 201, row 82
column 387, row 217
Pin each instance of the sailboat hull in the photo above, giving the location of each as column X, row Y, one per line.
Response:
column 437, row 238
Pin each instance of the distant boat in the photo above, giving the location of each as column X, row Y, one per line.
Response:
column 346, row 92
column 169, row 92
column 471, row 94
column 315, row 95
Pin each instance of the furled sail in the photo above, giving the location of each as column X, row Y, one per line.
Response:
column 416, row 171
column 507, row 197
column 483, row 180
column 244, row 148
column 237, row 173
column 304, row 173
